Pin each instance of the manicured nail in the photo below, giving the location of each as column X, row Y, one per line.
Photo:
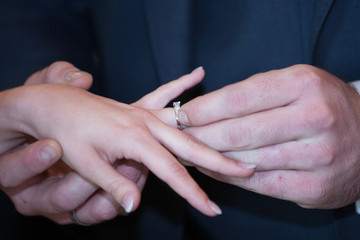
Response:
column 73, row 75
column 196, row 69
column 127, row 203
column 48, row 153
column 215, row 208
column 247, row 165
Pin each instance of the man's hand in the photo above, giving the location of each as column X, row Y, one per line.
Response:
column 300, row 126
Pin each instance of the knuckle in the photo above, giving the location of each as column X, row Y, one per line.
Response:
column 326, row 117
column 193, row 142
column 119, row 188
column 194, row 145
column 309, row 76
column 142, row 114
column 180, row 170
column 270, row 157
column 238, row 135
column 272, row 184
column 135, row 124
column 137, row 133
column 22, row 208
column 312, row 192
column 23, row 205
column 61, row 202
column 237, row 99
column 325, row 155
column 6, row 180
column 104, row 212
column 320, row 117
column 177, row 171
column 317, row 193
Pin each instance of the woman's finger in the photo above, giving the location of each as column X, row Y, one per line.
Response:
column 104, row 175
column 164, row 165
column 102, row 206
column 194, row 151
column 165, row 93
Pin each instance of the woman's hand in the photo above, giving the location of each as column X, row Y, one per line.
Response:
column 31, row 173
column 38, row 183
column 102, row 155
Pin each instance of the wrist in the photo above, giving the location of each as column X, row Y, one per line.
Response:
column 25, row 108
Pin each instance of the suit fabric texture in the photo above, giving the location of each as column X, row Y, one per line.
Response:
column 134, row 46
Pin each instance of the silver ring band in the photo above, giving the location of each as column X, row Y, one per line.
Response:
column 76, row 220
column 176, row 106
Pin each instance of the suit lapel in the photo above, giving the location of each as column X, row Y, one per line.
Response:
column 322, row 9
column 169, row 29
column 169, row 32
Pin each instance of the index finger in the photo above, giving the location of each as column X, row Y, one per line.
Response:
column 165, row 93
column 258, row 93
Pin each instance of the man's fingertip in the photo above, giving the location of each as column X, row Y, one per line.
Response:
column 73, row 75
column 183, row 118
column 48, row 153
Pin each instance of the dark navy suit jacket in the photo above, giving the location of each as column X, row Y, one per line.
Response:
column 133, row 46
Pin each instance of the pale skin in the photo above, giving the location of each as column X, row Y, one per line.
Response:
column 301, row 155
column 298, row 125
column 94, row 133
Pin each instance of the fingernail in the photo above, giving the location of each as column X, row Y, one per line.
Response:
column 214, row 207
column 48, row 153
column 247, row 165
column 127, row 203
column 196, row 69
column 183, row 118
column 73, row 75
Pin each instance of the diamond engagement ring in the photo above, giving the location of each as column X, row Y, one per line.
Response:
column 176, row 106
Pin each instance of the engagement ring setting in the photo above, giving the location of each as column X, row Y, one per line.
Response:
column 176, row 106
